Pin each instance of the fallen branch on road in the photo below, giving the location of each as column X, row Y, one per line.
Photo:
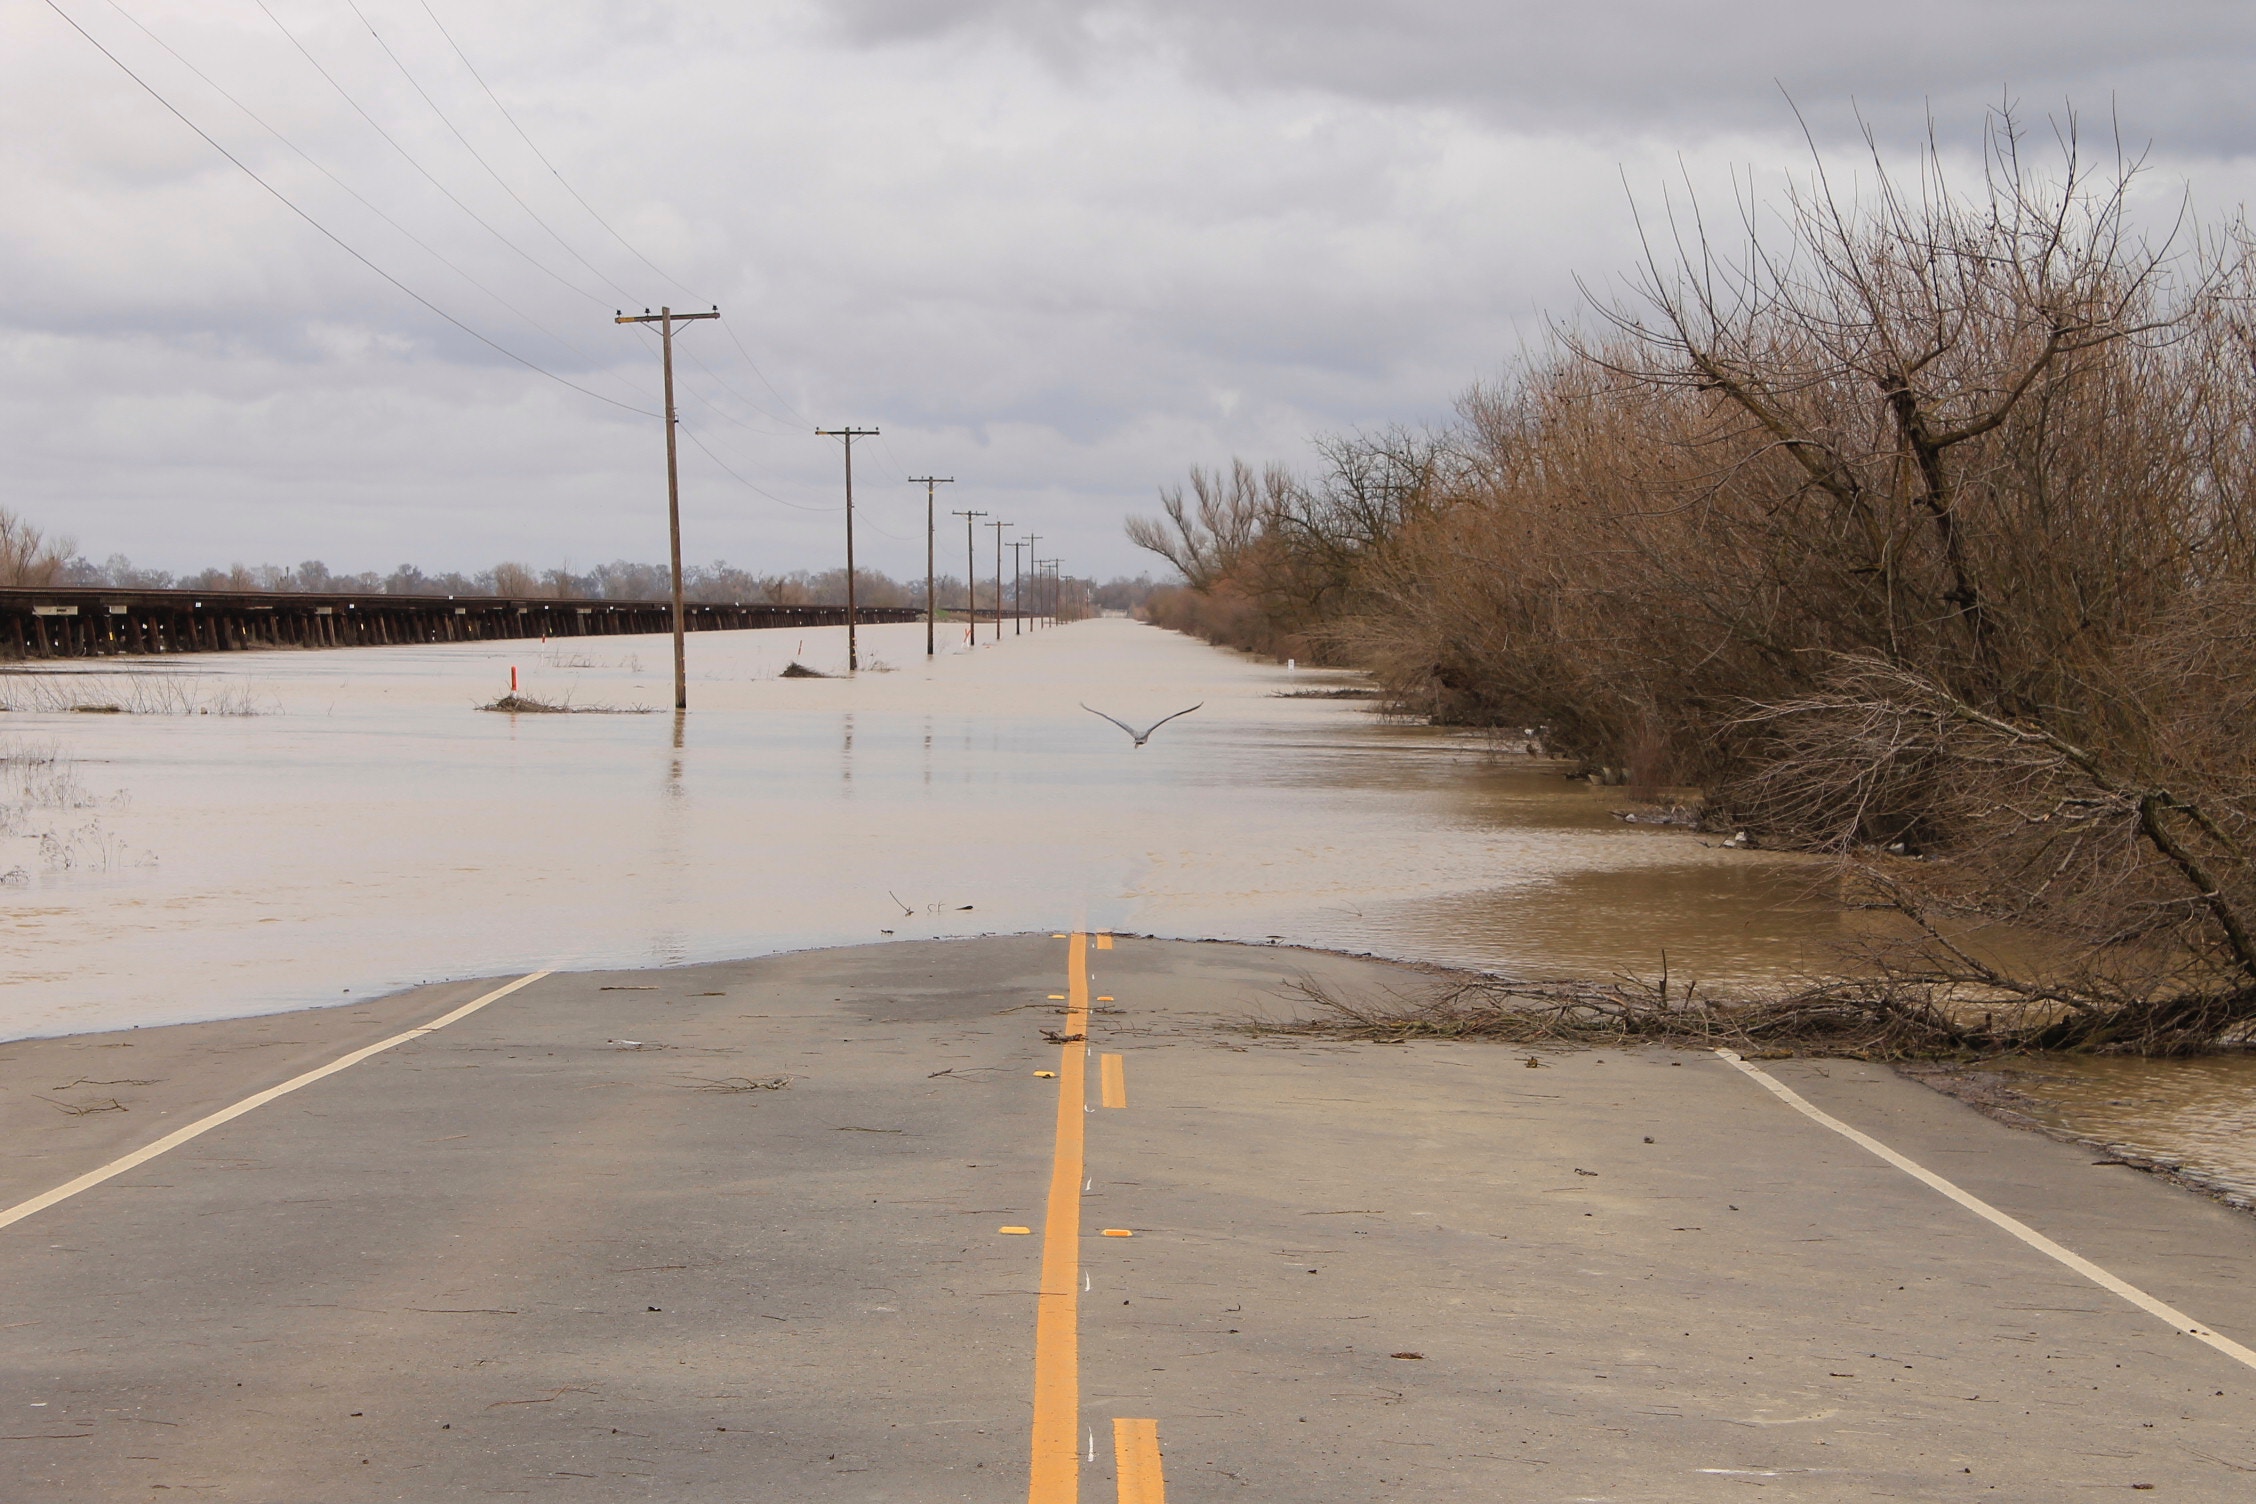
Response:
column 1876, row 1019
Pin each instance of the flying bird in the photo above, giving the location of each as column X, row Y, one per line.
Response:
column 1144, row 735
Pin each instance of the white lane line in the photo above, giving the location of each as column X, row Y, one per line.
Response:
column 179, row 1136
column 1991, row 1214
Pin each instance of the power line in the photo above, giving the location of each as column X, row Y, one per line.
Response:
column 536, row 151
column 747, row 401
column 794, row 415
column 472, row 69
column 755, row 365
column 740, row 480
column 433, row 252
column 476, row 155
column 328, row 234
column 883, row 532
column 736, row 475
column 889, row 454
column 523, row 135
column 717, row 410
column 725, row 415
column 405, row 155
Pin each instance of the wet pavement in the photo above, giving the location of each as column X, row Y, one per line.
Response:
column 739, row 1231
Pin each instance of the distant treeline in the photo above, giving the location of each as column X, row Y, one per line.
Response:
column 1920, row 531
column 28, row 557
column 619, row 580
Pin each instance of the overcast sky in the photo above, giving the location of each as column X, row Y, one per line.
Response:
column 1059, row 251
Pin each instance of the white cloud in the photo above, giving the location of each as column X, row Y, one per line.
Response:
column 1058, row 251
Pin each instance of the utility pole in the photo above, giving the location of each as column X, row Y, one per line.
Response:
column 1018, row 601
column 1033, row 572
column 998, row 527
column 928, row 482
column 665, row 319
column 849, row 434
column 971, row 586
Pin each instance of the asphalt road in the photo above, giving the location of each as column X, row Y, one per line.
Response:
column 734, row 1232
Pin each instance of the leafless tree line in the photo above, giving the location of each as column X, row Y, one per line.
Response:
column 28, row 557
column 1276, row 563
column 1918, row 528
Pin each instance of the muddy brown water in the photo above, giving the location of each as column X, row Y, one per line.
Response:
column 2198, row 1114
column 368, row 828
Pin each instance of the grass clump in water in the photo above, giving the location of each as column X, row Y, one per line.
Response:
column 514, row 704
column 523, row 704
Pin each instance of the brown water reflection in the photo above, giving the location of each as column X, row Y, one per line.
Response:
column 2199, row 1114
column 1699, row 924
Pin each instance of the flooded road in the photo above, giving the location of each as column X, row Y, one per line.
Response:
column 368, row 828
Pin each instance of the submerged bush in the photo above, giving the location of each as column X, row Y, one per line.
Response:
column 1922, row 533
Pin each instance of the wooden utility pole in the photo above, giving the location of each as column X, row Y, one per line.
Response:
column 971, row 579
column 1033, row 564
column 665, row 319
column 998, row 527
column 1018, row 602
column 928, row 482
column 853, row 648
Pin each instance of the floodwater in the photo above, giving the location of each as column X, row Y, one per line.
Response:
column 369, row 828
column 366, row 827
column 2198, row 1114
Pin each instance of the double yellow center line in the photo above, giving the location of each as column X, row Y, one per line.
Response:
column 1055, row 1476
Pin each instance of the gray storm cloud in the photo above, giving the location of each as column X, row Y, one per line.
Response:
column 1691, row 70
column 1059, row 251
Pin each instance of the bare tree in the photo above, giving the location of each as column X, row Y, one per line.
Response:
column 27, row 556
column 1918, row 527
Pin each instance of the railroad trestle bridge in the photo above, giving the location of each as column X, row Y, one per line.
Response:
column 93, row 622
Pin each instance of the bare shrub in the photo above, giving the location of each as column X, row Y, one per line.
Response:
column 36, row 781
column 2125, row 854
column 27, row 556
column 127, row 694
column 1920, row 520
column 1270, row 562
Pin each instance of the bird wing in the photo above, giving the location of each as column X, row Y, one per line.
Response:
column 1163, row 720
column 1123, row 725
